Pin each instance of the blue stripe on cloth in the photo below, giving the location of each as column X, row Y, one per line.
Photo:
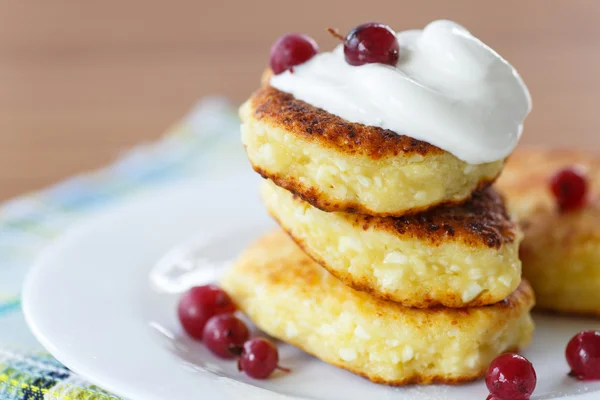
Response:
column 208, row 137
column 9, row 306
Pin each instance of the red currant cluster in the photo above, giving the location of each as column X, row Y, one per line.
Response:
column 512, row 377
column 365, row 44
column 569, row 187
column 207, row 314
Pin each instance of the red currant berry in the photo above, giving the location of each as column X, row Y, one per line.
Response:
column 569, row 186
column 510, row 377
column 291, row 50
column 199, row 304
column 583, row 355
column 259, row 358
column 225, row 333
column 371, row 43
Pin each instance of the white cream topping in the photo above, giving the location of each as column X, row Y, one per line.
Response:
column 448, row 89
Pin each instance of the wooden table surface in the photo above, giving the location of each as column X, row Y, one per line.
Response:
column 81, row 81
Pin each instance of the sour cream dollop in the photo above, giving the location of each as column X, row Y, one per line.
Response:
column 448, row 89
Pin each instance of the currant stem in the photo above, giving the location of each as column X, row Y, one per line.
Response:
column 236, row 350
column 283, row 369
column 336, row 34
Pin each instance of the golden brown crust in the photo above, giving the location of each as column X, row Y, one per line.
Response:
column 316, row 198
column 427, row 301
column 480, row 227
column 526, row 184
column 313, row 124
column 482, row 221
column 528, row 172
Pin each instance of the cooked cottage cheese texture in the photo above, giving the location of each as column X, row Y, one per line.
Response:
column 456, row 257
column 337, row 165
column 292, row 298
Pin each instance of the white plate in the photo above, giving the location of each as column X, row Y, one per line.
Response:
column 89, row 301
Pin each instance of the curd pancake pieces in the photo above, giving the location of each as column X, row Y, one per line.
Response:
column 459, row 256
column 561, row 250
column 336, row 165
column 292, row 298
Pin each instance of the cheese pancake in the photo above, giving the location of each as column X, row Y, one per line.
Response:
column 292, row 298
column 560, row 251
column 459, row 256
column 336, row 165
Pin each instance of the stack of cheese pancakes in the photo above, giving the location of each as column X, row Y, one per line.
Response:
column 396, row 259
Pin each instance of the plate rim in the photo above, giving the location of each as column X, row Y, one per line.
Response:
column 89, row 223
column 81, row 227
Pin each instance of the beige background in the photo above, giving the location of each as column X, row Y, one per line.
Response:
column 81, row 81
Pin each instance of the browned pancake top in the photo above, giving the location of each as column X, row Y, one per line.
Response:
column 526, row 184
column 317, row 125
column 483, row 220
column 529, row 170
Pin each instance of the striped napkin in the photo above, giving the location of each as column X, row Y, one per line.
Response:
column 28, row 224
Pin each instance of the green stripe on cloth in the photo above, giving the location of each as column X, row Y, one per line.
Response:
column 208, row 136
